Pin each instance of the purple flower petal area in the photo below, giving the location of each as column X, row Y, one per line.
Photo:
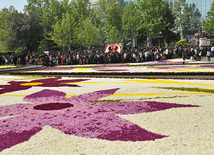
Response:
column 46, row 96
column 94, row 96
column 75, row 116
column 56, row 82
column 170, row 67
column 207, row 66
column 114, row 70
column 12, row 138
column 105, row 126
column 110, row 70
column 53, row 106
column 13, row 86
column 12, row 110
column 50, row 82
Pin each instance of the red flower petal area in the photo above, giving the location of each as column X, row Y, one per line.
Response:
column 75, row 116
column 50, row 82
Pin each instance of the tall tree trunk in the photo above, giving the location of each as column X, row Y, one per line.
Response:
column 149, row 41
column 134, row 41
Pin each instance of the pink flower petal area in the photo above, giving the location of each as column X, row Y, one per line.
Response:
column 49, row 82
column 76, row 116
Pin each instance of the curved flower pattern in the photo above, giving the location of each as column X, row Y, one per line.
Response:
column 50, row 82
column 75, row 116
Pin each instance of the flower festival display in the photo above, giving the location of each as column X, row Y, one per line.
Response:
column 105, row 116
column 208, row 68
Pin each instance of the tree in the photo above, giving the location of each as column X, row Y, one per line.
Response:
column 49, row 12
column 168, row 25
column 25, row 31
column 98, row 15
column 183, row 11
column 151, row 17
column 130, row 22
column 208, row 23
column 196, row 17
column 64, row 31
column 113, row 23
column 81, row 9
column 88, row 35
column 5, row 19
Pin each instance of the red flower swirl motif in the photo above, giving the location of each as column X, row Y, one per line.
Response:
column 50, row 82
column 76, row 116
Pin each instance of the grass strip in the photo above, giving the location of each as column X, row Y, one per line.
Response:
column 211, row 91
column 105, row 101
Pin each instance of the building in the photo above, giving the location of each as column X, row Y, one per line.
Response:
column 203, row 5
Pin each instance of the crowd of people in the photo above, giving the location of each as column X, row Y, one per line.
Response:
column 135, row 55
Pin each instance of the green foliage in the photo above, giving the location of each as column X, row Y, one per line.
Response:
column 152, row 16
column 172, row 44
column 5, row 19
column 152, row 98
column 88, row 34
column 25, row 31
column 168, row 25
column 106, row 101
column 64, row 31
column 208, row 23
column 131, row 20
column 113, row 36
column 73, row 23
column 113, row 22
column 211, row 91
column 186, row 15
column 182, row 43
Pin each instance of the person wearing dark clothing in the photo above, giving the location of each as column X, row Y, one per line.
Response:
column 184, row 56
column 15, row 59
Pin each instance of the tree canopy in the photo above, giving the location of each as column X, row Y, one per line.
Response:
column 68, row 24
column 208, row 23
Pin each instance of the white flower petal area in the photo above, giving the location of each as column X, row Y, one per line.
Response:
column 189, row 130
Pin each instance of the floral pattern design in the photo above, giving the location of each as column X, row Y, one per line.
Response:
column 134, row 69
column 49, row 82
column 76, row 116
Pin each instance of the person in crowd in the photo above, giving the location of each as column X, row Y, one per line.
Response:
column 129, row 55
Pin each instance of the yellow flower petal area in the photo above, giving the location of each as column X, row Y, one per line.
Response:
column 131, row 64
column 31, row 84
column 93, row 82
column 70, row 95
column 168, row 82
column 13, row 95
column 83, row 69
column 153, row 94
column 139, row 94
column 6, row 66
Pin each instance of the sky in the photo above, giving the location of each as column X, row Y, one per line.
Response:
column 18, row 4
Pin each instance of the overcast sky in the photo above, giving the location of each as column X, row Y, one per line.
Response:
column 18, row 4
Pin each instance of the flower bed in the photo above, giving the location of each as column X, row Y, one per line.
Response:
column 6, row 67
column 160, row 62
column 105, row 116
column 134, row 70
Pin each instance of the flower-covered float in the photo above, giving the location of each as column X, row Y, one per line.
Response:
column 106, row 116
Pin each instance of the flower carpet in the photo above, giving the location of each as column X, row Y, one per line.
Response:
column 208, row 68
column 159, row 62
column 64, row 115
column 7, row 67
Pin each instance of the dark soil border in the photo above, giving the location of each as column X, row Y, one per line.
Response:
column 145, row 75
